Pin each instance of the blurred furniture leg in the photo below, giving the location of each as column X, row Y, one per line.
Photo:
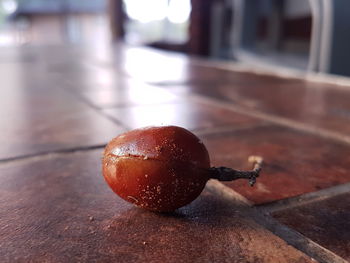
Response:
column 116, row 19
column 330, row 36
column 244, row 35
column 316, row 32
column 244, row 24
column 220, row 28
column 200, row 24
column 275, row 25
column 216, row 29
column 334, row 51
column 244, row 31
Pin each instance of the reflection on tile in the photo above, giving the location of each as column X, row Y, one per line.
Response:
column 154, row 66
column 63, row 211
column 326, row 222
column 37, row 120
column 97, row 81
column 314, row 104
column 188, row 114
column 295, row 162
column 133, row 95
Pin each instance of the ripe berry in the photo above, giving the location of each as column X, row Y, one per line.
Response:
column 162, row 168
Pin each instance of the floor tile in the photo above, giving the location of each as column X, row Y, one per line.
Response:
column 134, row 94
column 100, row 80
column 326, row 222
column 39, row 120
column 62, row 210
column 317, row 105
column 189, row 114
column 313, row 103
column 295, row 162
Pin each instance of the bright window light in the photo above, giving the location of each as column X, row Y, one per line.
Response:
column 146, row 11
column 179, row 11
column 9, row 6
column 5, row 40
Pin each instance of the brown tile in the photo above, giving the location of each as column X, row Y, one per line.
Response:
column 147, row 65
column 181, row 69
column 295, row 162
column 317, row 105
column 326, row 222
column 62, row 210
column 188, row 114
column 170, row 68
column 38, row 120
column 100, row 80
column 200, row 75
column 133, row 94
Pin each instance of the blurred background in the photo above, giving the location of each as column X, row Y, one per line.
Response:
column 307, row 35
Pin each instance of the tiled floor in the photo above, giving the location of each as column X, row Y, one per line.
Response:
column 295, row 162
column 65, row 211
column 42, row 120
column 326, row 222
column 61, row 104
column 189, row 114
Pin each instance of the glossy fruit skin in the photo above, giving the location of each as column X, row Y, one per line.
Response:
column 157, row 168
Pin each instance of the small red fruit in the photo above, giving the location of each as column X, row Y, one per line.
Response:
column 161, row 168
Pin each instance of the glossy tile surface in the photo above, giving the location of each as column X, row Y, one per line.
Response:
column 295, row 162
column 36, row 120
column 155, row 66
column 55, row 207
column 326, row 222
column 63, row 211
column 129, row 95
column 315, row 105
column 187, row 113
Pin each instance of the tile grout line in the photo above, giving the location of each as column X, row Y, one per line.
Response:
column 273, row 119
column 81, row 99
column 290, row 236
column 131, row 105
column 218, row 188
column 226, row 128
column 294, row 238
column 341, row 82
column 252, row 113
column 92, row 106
column 304, row 199
column 48, row 154
column 44, row 154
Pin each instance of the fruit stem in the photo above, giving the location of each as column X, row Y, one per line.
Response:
column 229, row 174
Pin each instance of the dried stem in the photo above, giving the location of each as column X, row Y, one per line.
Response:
column 228, row 174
